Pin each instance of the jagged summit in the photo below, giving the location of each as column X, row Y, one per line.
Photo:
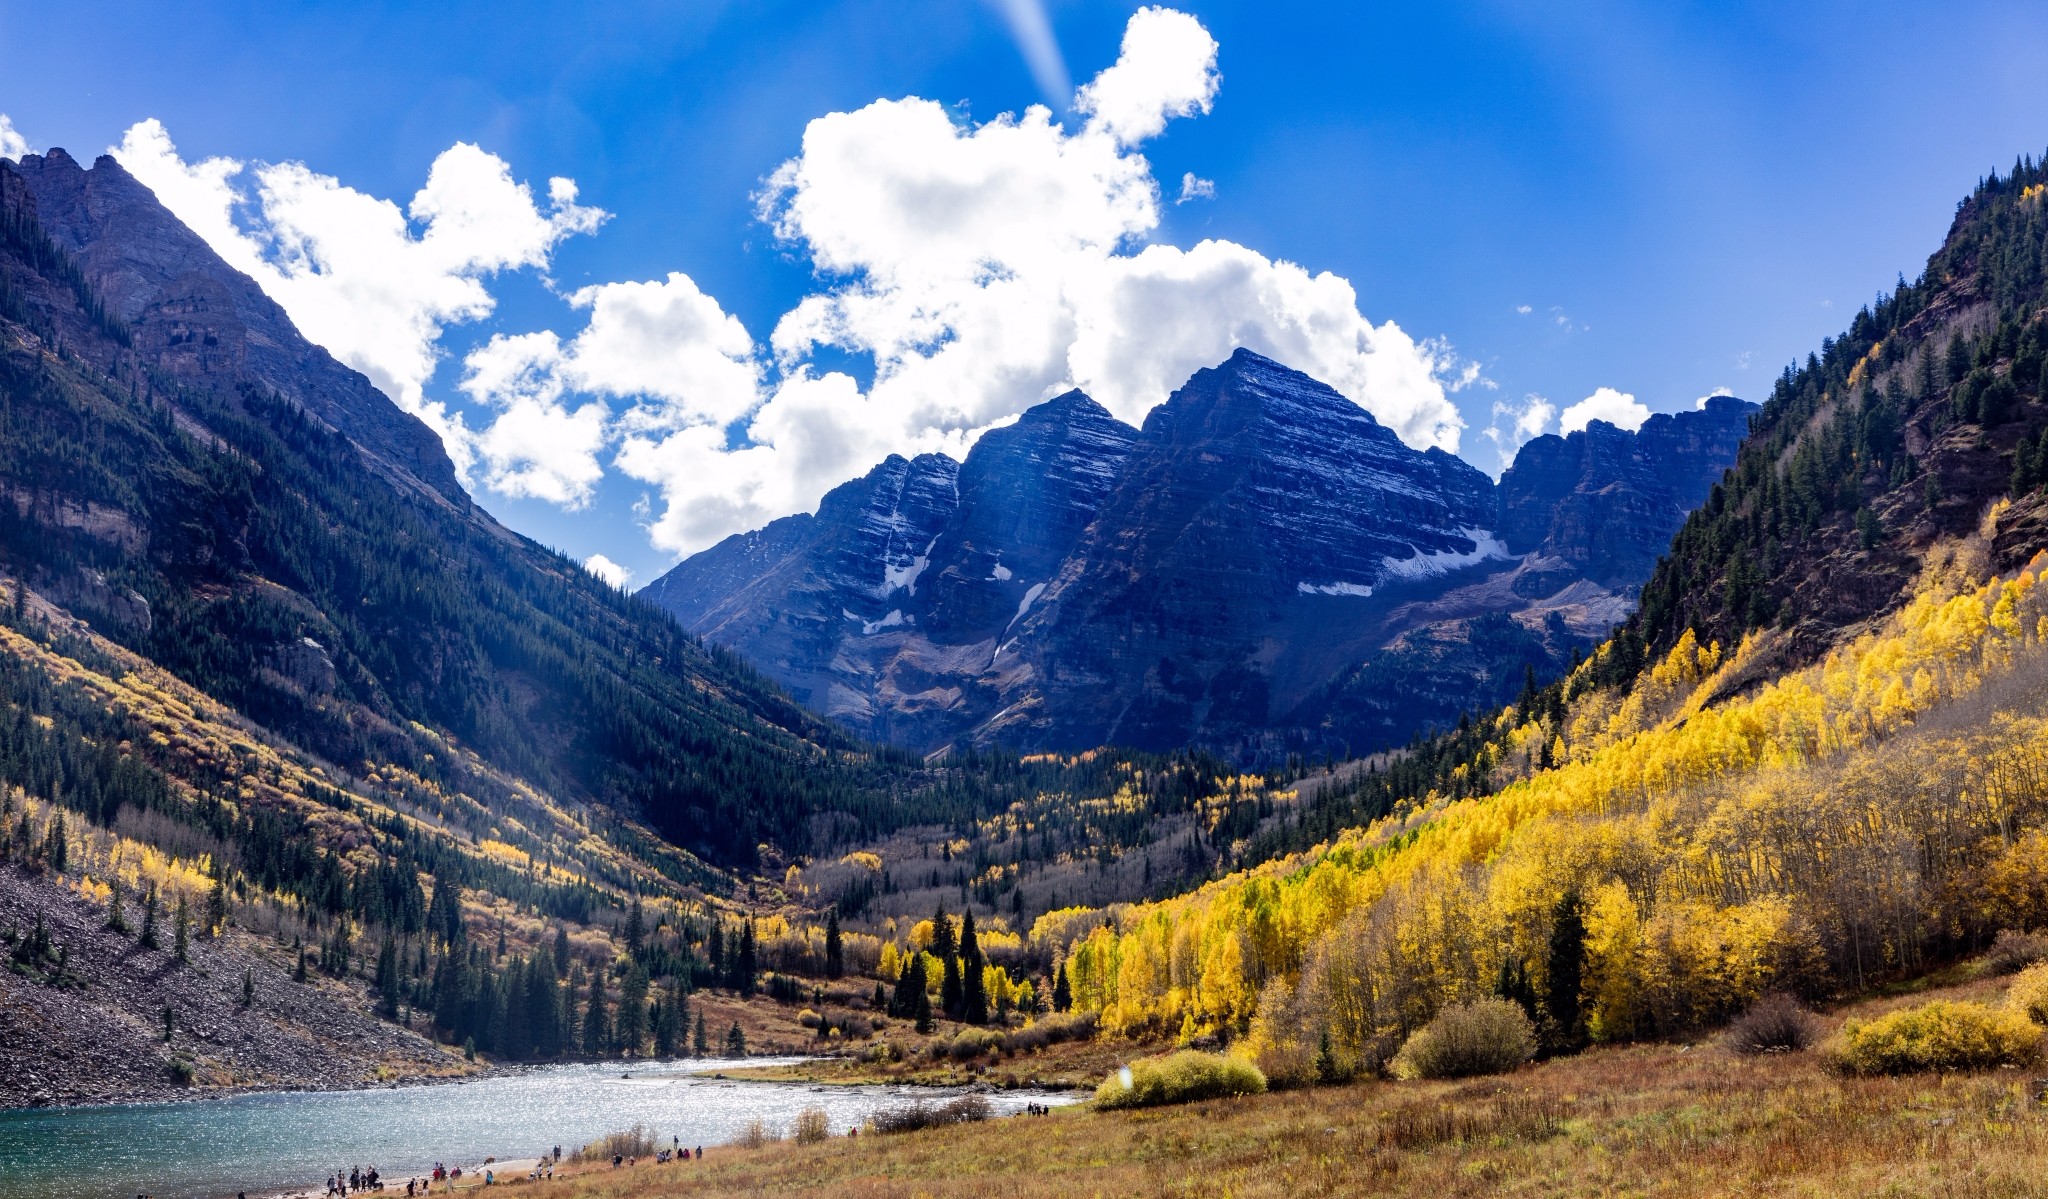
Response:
column 204, row 321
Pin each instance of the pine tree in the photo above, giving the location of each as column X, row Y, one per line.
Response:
column 910, row 984
column 973, row 988
column 596, row 1024
column 217, row 903
column 1062, row 993
column 117, row 920
column 561, row 950
column 149, row 904
column 1564, row 975
column 700, row 1041
column 923, row 1011
column 631, row 1022
column 248, row 987
column 744, row 967
column 299, row 971
column 835, row 953
column 387, row 978
column 183, row 928
column 735, row 1041
column 636, row 927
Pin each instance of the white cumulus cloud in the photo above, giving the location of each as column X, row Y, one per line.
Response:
column 1194, row 187
column 1515, row 424
column 12, row 144
column 980, row 268
column 1615, row 407
column 373, row 283
column 983, row 268
column 1718, row 391
column 608, row 570
column 1166, row 68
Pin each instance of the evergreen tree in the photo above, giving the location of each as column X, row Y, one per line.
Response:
column 217, row 903
column 1564, row 976
column 248, row 987
column 631, row 1022
column 835, row 952
column 700, row 1041
column 544, row 1006
column 387, row 978
column 561, row 950
column 57, row 845
column 744, row 969
column 1062, row 994
column 973, row 990
column 183, row 927
column 923, row 1011
column 909, row 985
column 117, row 920
column 299, row 971
column 735, row 1041
column 149, row 902
column 596, row 1022
column 636, row 927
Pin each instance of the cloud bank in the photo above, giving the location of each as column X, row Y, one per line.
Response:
column 12, row 144
column 979, row 269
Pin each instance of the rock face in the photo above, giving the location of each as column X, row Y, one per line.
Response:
column 1605, row 501
column 1262, row 569
column 197, row 318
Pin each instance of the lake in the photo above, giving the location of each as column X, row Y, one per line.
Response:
column 269, row 1142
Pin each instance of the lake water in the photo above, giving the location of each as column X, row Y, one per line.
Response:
column 266, row 1143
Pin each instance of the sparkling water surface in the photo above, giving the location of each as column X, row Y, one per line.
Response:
column 266, row 1143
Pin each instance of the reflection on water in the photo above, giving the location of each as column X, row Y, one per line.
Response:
column 259, row 1143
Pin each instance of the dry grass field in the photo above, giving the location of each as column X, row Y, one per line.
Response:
column 1690, row 1120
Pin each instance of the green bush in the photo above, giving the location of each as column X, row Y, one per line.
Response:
column 1942, row 1035
column 1487, row 1036
column 1182, row 1077
column 2028, row 995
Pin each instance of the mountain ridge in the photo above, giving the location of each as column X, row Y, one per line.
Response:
column 1256, row 506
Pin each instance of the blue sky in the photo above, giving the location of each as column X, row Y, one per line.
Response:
column 1682, row 197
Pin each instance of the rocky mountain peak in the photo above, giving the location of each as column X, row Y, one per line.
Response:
column 208, row 324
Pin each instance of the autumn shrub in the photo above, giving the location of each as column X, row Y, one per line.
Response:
column 967, row 1109
column 1486, row 1036
column 2028, row 995
column 2014, row 951
column 637, row 1141
column 756, row 1134
column 969, row 1043
column 1776, row 1023
column 1945, row 1035
column 812, row 1125
column 1182, row 1077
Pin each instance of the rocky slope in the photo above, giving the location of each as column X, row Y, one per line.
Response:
column 1263, row 568
column 97, row 1026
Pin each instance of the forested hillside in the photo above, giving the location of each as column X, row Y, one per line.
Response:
column 1893, row 437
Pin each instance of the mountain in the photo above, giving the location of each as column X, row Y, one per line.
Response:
column 224, row 498
column 1262, row 569
column 1919, row 427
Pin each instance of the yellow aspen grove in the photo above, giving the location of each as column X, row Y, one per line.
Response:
column 1722, row 837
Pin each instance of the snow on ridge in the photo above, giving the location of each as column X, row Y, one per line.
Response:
column 1358, row 590
column 1030, row 597
column 1421, row 566
column 895, row 619
column 1000, row 574
column 903, row 577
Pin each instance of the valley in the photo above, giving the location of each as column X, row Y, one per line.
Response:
column 1667, row 815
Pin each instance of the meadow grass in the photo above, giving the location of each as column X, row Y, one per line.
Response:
column 1659, row 1119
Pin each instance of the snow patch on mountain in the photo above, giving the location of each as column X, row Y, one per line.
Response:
column 1485, row 546
column 1358, row 590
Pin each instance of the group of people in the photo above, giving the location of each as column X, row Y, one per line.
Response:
column 1037, row 1109
column 355, row 1182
